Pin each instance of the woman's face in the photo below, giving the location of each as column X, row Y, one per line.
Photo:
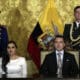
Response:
column 11, row 49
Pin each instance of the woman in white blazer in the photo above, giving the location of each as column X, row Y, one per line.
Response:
column 17, row 66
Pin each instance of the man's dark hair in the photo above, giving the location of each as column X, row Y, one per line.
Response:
column 76, row 8
column 59, row 36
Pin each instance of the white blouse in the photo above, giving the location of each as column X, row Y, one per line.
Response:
column 17, row 68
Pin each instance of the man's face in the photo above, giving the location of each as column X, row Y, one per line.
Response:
column 77, row 14
column 59, row 44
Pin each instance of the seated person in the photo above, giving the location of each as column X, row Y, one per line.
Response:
column 59, row 63
column 16, row 67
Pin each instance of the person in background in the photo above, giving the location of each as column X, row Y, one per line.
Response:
column 60, row 63
column 4, row 58
column 17, row 66
column 72, row 31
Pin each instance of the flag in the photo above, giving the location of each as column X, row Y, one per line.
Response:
column 33, row 47
column 48, row 17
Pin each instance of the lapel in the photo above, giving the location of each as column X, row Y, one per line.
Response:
column 76, row 31
column 74, row 26
column 55, row 59
column 64, row 58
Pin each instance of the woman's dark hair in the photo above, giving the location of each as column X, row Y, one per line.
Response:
column 5, row 60
column 13, row 42
column 5, row 57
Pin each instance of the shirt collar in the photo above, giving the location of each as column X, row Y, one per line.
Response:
column 77, row 23
column 62, row 52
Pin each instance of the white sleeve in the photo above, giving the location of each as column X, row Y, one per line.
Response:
column 24, row 68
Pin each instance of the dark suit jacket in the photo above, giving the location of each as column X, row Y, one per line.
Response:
column 3, row 46
column 75, row 34
column 3, row 38
column 49, row 66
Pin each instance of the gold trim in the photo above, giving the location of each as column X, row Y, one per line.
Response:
column 71, row 37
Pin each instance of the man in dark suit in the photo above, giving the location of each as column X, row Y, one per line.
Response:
column 59, row 63
column 3, row 53
column 3, row 38
column 72, row 31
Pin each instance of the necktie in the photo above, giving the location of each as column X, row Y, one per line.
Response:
column 59, row 69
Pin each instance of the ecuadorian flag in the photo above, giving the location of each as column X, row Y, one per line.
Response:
column 47, row 19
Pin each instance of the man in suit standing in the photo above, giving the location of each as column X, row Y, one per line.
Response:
column 59, row 63
column 3, row 54
column 72, row 31
column 3, row 38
